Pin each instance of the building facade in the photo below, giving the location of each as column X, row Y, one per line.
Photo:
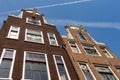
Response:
column 92, row 60
column 32, row 49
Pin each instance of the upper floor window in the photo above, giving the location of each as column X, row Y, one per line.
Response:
column 33, row 21
column 86, row 71
column 61, row 68
column 34, row 36
column 6, row 63
column 82, row 37
column 52, row 39
column 118, row 69
column 106, row 52
column 105, row 73
column 74, row 47
column 35, row 66
column 91, row 50
column 14, row 32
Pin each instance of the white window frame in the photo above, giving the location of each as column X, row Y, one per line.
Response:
column 27, row 18
column 50, row 40
column 110, row 70
column 88, row 69
column 24, row 59
column 34, row 41
column 107, row 53
column 64, row 66
column 76, row 46
column 12, row 64
column 94, row 48
column 11, row 30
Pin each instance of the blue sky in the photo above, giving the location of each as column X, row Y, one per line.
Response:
column 101, row 18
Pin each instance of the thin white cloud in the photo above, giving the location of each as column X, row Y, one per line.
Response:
column 86, row 24
column 48, row 6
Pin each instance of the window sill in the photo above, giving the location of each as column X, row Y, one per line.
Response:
column 54, row 45
column 12, row 38
column 94, row 55
column 5, row 79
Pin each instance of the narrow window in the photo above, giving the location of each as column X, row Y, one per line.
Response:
column 82, row 37
column 91, row 50
column 61, row 68
column 105, row 51
column 105, row 73
column 6, row 63
column 35, row 66
column 34, row 36
column 86, row 71
column 13, row 32
column 52, row 39
column 33, row 21
column 74, row 47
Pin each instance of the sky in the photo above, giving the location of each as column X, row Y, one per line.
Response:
column 101, row 18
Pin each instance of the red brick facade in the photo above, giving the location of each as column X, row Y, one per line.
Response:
column 20, row 45
column 89, row 59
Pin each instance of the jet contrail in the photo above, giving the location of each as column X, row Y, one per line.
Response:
column 61, row 4
column 47, row 6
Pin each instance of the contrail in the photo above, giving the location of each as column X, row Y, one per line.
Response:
column 47, row 6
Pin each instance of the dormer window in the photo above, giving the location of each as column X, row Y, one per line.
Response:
column 33, row 21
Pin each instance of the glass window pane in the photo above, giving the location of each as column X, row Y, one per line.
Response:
column 86, row 72
column 36, row 65
column 82, row 36
column 105, row 73
column 34, row 36
column 62, row 72
column 5, row 68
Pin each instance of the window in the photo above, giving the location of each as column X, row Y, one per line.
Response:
column 105, row 73
column 118, row 69
column 86, row 71
column 105, row 51
column 33, row 21
column 6, row 63
column 52, row 39
column 74, row 47
column 13, row 32
column 91, row 50
column 35, row 66
column 61, row 68
column 82, row 37
column 34, row 36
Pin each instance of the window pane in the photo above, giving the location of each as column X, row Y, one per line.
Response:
column 33, row 21
column 13, row 33
column 90, row 50
column 35, row 66
column 34, row 36
column 86, row 72
column 8, row 53
column 61, row 68
column 52, row 39
column 107, row 54
column 105, row 73
column 58, row 59
column 62, row 72
column 74, row 46
column 82, row 36
column 5, row 68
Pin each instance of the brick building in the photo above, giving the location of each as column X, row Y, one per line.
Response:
column 92, row 60
column 32, row 49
